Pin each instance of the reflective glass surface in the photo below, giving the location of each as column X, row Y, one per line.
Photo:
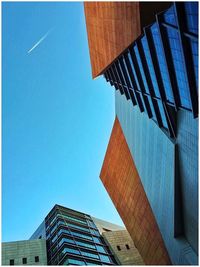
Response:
column 83, row 244
column 191, row 10
column 175, row 47
column 162, row 65
column 161, row 61
column 89, row 254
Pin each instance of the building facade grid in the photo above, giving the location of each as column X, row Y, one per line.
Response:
column 156, row 71
column 73, row 239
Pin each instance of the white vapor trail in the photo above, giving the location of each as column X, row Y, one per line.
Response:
column 41, row 39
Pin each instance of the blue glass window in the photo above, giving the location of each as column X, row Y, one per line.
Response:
column 89, row 254
column 72, row 218
column 81, row 235
column 78, row 227
column 63, row 231
column 67, row 240
column 91, row 224
column 133, row 69
column 54, row 239
column 94, row 232
column 74, row 261
column 141, row 69
column 61, row 223
column 161, row 61
column 191, row 10
column 83, row 244
column 177, row 57
column 97, row 240
column 93, row 263
column 53, row 220
column 126, row 70
column 169, row 16
column 53, row 229
column 71, row 250
column 105, row 258
column 150, row 66
column 101, row 249
column 195, row 57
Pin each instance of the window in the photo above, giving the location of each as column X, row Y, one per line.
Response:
column 71, row 250
column 101, row 249
column 72, row 218
column 67, row 240
column 88, row 254
column 105, row 258
column 78, row 227
column 118, row 248
column 74, row 262
column 127, row 246
column 54, row 239
column 92, row 263
column 94, row 232
column 36, row 258
column 12, row 262
column 81, row 235
column 87, row 245
column 96, row 240
column 24, row 260
column 64, row 231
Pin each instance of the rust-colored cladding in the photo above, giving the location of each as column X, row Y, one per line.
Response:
column 122, row 182
column 113, row 26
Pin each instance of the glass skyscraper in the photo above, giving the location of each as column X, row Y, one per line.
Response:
column 73, row 239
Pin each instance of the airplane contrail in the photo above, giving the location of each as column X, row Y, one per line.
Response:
column 41, row 39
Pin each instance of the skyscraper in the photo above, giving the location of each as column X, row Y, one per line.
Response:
column 74, row 238
column 151, row 165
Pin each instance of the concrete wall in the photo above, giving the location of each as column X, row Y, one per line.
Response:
column 24, row 249
column 125, row 256
column 154, row 156
column 102, row 225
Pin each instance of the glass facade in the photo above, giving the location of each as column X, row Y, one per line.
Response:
column 159, row 71
column 73, row 239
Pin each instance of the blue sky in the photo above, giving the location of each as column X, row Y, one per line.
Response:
column 56, row 120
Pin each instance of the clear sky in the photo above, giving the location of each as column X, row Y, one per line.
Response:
column 56, row 120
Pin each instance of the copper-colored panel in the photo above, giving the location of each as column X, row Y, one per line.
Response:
column 111, row 27
column 122, row 182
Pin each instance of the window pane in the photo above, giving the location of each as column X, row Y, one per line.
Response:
column 105, row 258
column 70, row 250
column 73, row 261
column 85, row 244
column 91, row 255
column 101, row 249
